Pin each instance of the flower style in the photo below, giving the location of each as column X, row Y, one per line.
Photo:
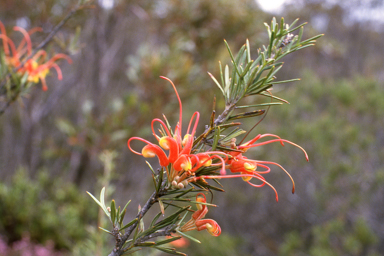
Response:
column 36, row 66
column 183, row 163
column 248, row 167
column 197, row 222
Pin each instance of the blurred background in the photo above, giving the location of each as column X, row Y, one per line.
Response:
column 56, row 145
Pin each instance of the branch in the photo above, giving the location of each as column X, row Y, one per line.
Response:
column 120, row 240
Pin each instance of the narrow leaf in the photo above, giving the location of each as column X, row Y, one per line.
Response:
column 260, row 105
column 155, row 219
column 166, row 241
column 107, row 231
column 129, row 224
column 217, row 83
column 189, row 237
column 113, row 212
column 170, row 251
column 131, row 252
column 102, row 201
column 161, row 206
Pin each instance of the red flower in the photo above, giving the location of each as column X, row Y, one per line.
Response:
column 180, row 163
column 36, row 67
column 248, row 167
column 198, row 223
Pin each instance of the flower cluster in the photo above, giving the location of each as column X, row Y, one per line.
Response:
column 35, row 66
column 180, row 163
column 185, row 164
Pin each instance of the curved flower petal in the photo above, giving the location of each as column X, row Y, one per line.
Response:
column 150, row 150
column 210, row 225
column 182, row 163
column 169, row 143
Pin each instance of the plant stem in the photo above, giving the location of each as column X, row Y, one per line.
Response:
column 120, row 240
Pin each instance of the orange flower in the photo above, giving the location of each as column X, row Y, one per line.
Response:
column 180, row 162
column 36, row 67
column 198, row 223
column 180, row 243
column 248, row 167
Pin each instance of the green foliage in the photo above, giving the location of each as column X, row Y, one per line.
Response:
column 334, row 237
column 225, row 244
column 44, row 208
column 340, row 137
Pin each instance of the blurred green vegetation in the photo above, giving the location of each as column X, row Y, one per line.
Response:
column 44, row 209
column 112, row 92
column 339, row 135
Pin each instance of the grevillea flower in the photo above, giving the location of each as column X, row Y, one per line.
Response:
column 198, row 223
column 180, row 163
column 248, row 168
column 182, row 242
column 37, row 67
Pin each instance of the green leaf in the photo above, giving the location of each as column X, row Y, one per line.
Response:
column 131, row 252
column 129, row 224
column 171, row 217
column 99, row 203
column 154, row 181
column 176, row 199
column 216, row 138
column 293, row 29
column 121, row 217
column 102, row 201
column 155, row 219
column 293, row 23
column 208, row 204
column 286, row 81
column 166, row 241
column 113, row 212
column 258, row 91
column 189, row 237
column 150, row 167
column 168, row 125
column 184, row 192
column 161, row 206
column 146, row 244
column 225, row 126
column 235, row 133
column 170, row 250
column 227, row 81
column 247, row 114
column 221, row 74
column 260, row 105
column 137, row 231
column 216, row 188
column 248, row 50
column 107, row 231
column 232, row 58
column 311, row 39
column 217, row 83
column 124, row 210
column 160, row 182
